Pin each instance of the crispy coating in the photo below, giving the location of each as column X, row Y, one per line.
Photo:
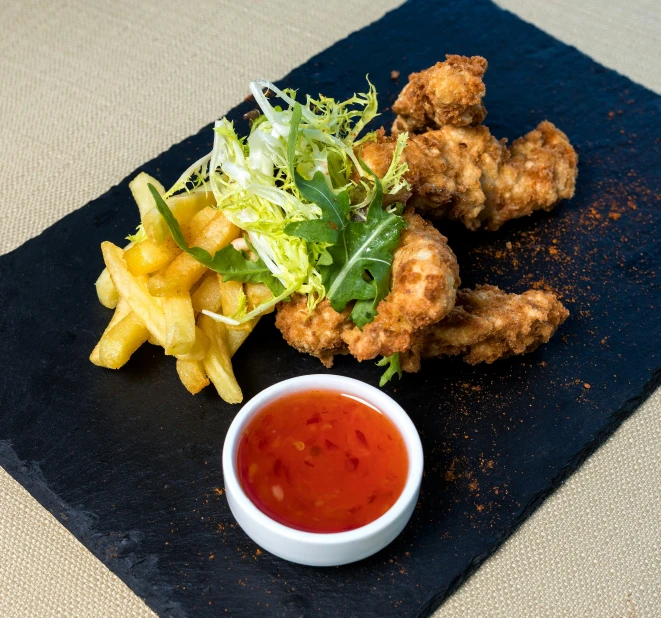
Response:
column 488, row 324
column 425, row 278
column 537, row 171
column 318, row 333
column 450, row 92
column 465, row 174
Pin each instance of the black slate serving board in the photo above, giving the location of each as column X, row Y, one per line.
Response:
column 131, row 463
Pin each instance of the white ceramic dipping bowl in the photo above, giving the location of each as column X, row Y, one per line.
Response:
column 322, row 549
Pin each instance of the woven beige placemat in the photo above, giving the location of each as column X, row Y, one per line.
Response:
column 45, row 571
column 91, row 90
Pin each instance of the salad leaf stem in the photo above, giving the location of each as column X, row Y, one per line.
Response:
column 394, row 367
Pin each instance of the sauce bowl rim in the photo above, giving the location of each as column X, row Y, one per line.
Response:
column 328, row 382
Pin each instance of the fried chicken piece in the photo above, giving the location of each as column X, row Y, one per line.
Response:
column 538, row 171
column 466, row 174
column 424, row 282
column 318, row 333
column 425, row 278
column 450, row 92
column 487, row 324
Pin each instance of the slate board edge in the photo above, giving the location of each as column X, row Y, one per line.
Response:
column 282, row 81
column 80, row 524
column 102, row 546
column 617, row 419
column 569, row 45
column 208, row 127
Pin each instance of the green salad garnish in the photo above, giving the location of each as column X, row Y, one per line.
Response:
column 311, row 210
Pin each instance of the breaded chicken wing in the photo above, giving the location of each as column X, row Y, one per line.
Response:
column 425, row 278
column 465, row 174
column 450, row 92
column 318, row 333
column 424, row 282
column 488, row 324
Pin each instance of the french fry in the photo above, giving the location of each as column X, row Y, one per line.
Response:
column 192, row 376
column 147, row 256
column 143, row 198
column 122, row 310
column 199, row 349
column 258, row 293
column 105, row 288
column 141, row 194
column 119, row 343
column 235, row 338
column 185, row 270
column 207, row 295
column 217, row 362
column 134, row 290
column 232, row 300
column 106, row 291
column 197, row 224
column 179, row 324
column 183, row 207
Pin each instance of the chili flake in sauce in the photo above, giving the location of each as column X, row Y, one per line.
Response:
column 322, row 461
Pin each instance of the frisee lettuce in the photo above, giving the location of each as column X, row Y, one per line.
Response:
column 139, row 236
column 288, row 187
column 232, row 264
column 394, row 367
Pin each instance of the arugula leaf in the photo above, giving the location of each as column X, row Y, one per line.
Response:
column 363, row 312
column 234, row 266
column 394, row 367
column 356, row 265
column 362, row 260
column 334, row 208
column 229, row 262
column 315, row 230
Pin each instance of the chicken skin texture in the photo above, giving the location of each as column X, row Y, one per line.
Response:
column 318, row 333
column 450, row 92
column 466, row 174
column 488, row 324
column 458, row 171
column 424, row 283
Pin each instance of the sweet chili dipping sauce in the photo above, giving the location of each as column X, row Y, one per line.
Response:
column 322, row 461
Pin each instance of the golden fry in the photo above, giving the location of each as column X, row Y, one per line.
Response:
column 122, row 310
column 179, row 324
column 235, row 338
column 217, row 363
column 106, row 291
column 233, row 300
column 147, row 256
column 186, row 206
column 185, row 270
column 197, row 224
column 134, row 290
column 207, row 295
column 183, row 207
column 119, row 343
column 199, row 349
column 257, row 294
column 192, row 376
column 141, row 194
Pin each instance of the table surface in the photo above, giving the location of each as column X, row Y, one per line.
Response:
column 91, row 90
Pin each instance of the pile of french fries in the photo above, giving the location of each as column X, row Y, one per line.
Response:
column 158, row 293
